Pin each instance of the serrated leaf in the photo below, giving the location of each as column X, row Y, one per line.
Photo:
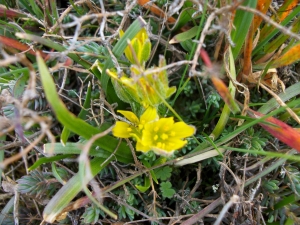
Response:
column 166, row 189
column 163, row 173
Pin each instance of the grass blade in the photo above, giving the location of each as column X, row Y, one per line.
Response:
column 68, row 192
column 242, row 22
column 74, row 124
column 82, row 114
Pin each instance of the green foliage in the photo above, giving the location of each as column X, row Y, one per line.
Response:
column 91, row 215
column 254, row 139
column 125, row 212
column 167, row 190
column 242, row 22
column 189, row 89
column 37, row 184
column 92, row 51
column 163, row 173
column 271, row 185
column 292, row 177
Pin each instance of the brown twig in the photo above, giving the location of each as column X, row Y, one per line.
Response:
column 10, row 160
column 204, row 212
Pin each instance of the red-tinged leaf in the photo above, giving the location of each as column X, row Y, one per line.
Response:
column 286, row 9
column 219, row 84
column 283, row 12
column 262, row 6
column 280, row 130
column 204, row 56
column 9, row 13
column 9, row 42
column 225, row 94
column 291, row 56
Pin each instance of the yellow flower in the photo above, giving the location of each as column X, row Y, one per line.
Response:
column 164, row 136
column 141, row 46
column 153, row 87
column 134, row 126
column 146, row 90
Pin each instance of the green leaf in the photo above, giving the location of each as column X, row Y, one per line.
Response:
column 278, row 41
column 163, row 173
column 74, row 148
column 186, row 15
column 241, row 24
column 147, row 164
column 91, row 215
column 166, row 189
column 271, row 185
column 48, row 159
column 20, row 85
column 77, row 125
column 68, row 192
column 82, row 115
column 185, row 35
column 56, row 174
column 146, row 51
column 286, row 201
column 187, row 45
column 146, row 185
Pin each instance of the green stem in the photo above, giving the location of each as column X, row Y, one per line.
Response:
column 181, row 86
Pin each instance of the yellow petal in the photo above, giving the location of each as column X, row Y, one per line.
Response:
column 149, row 115
column 128, row 82
column 130, row 116
column 141, row 147
column 166, row 124
column 175, row 144
column 121, row 33
column 142, row 35
column 182, row 130
column 112, row 74
column 122, row 130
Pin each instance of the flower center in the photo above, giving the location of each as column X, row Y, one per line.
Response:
column 164, row 136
